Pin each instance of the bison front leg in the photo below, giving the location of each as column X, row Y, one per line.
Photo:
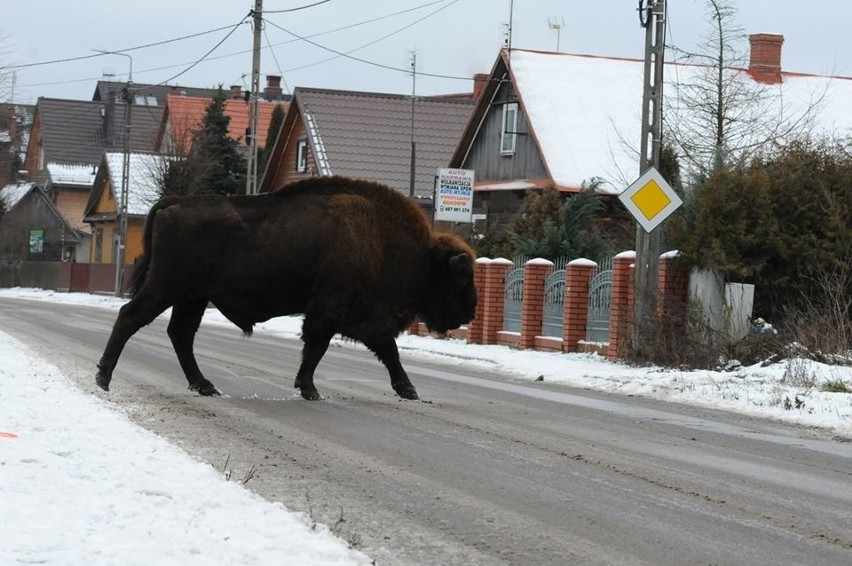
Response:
column 186, row 317
column 316, row 343
column 388, row 354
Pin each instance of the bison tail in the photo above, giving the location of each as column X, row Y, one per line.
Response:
column 140, row 269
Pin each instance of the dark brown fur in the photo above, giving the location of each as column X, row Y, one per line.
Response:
column 357, row 258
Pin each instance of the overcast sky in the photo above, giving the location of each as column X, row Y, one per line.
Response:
column 455, row 38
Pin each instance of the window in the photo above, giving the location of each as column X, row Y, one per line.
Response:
column 508, row 132
column 301, row 156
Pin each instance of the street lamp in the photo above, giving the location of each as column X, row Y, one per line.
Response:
column 121, row 235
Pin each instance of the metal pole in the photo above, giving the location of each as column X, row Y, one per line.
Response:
column 121, row 221
column 251, row 173
column 413, row 143
column 648, row 244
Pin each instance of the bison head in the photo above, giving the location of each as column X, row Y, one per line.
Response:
column 450, row 296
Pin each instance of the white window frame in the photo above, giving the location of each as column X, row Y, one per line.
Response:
column 508, row 132
column 301, row 156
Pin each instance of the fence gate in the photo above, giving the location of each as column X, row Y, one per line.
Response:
column 597, row 319
column 513, row 295
column 554, row 297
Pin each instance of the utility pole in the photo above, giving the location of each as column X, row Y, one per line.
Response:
column 653, row 19
column 254, row 96
column 413, row 143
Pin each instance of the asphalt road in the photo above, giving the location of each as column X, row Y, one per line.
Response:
column 484, row 470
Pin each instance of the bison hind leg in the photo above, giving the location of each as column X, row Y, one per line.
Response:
column 184, row 323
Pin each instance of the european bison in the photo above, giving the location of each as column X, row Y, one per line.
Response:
column 357, row 258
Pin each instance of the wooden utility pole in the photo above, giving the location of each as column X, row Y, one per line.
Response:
column 653, row 18
column 254, row 97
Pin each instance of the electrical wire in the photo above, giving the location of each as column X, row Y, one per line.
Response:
column 429, row 15
column 294, row 9
column 83, row 57
column 274, row 58
column 365, row 61
column 225, row 56
column 214, row 48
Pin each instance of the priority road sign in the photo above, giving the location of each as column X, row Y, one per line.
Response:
column 650, row 199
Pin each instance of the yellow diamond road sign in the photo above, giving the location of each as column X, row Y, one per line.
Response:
column 650, row 199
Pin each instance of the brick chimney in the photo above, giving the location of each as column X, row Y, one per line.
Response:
column 273, row 88
column 236, row 92
column 480, row 81
column 764, row 64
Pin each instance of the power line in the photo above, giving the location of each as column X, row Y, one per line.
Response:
column 295, row 9
column 225, row 56
column 84, row 57
column 429, row 15
column 372, row 63
column 203, row 57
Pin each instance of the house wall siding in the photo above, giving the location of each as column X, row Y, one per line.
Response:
column 485, row 157
column 72, row 204
column 286, row 173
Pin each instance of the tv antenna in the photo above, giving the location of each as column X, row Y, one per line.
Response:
column 557, row 26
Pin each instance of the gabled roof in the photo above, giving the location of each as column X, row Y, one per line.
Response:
column 184, row 115
column 78, row 132
column 21, row 193
column 13, row 193
column 142, row 186
column 368, row 135
column 584, row 111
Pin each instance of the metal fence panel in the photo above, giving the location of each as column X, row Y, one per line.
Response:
column 512, row 297
column 600, row 295
column 554, row 298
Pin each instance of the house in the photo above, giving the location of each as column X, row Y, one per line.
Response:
column 184, row 116
column 69, row 138
column 33, row 229
column 102, row 206
column 566, row 119
column 367, row 135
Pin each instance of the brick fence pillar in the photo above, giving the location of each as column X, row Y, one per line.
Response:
column 575, row 306
column 621, row 303
column 474, row 328
column 672, row 286
column 532, row 302
column 494, row 299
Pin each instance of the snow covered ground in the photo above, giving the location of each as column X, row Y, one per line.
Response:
column 81, row 484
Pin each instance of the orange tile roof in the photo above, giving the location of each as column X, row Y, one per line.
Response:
column 187, row 112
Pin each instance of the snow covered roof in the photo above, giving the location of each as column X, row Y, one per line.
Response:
column 13, row 193
column 585, row 111
column 142, row 188
column 64, row 174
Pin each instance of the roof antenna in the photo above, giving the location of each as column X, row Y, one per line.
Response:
column 557, row 25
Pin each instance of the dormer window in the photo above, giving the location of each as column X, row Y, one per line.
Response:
column 508, row 133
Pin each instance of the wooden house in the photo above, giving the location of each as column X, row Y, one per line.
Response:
column 565, row 120
column 102, row 207
column 33, row 229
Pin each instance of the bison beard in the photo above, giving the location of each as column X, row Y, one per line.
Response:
column 355, row 257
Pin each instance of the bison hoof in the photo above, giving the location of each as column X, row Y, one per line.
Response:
column 102, row 381
column 207, row 389
column 311, row 394
column 408, row 393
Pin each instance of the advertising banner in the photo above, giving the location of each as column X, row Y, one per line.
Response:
column 454, row 195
